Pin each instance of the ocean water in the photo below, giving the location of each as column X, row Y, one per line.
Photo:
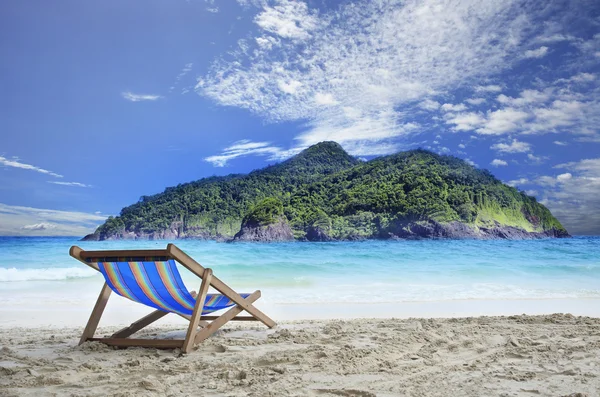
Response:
column 35, row 269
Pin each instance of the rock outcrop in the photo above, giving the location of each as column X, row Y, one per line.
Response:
column 316, row 233
column 457, row 230
column 278, row 231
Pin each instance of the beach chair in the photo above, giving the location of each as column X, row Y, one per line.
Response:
column 151, row 277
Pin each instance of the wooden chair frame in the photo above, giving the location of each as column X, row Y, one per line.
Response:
column 193, row 335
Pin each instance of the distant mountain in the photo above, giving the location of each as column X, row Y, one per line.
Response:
column 324, row 194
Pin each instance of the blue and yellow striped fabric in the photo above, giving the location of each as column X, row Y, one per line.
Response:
column 157, row 284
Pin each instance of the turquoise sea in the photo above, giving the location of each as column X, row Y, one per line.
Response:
column 343, row 272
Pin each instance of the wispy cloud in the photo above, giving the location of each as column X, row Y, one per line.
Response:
column 289, row 19
column 448, row 107
column 488, row 88
column 245, row 148
column 77, row 184
column 573, row 197
column 130, row 96
column 537, row 53
column 18, row 220
column 347, row 73
column 498, row 163
column 14, row 163
column 359, row 75
column 187, row 68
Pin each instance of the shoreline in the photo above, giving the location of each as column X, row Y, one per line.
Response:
column 526, row 236
column 121, row 312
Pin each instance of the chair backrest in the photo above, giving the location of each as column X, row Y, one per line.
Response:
column 155, row 282
column 152, row 281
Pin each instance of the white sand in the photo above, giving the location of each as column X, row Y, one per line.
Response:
column 49, row 311
column 549, row 355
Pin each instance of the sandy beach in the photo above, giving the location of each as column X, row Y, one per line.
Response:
column 545, row 355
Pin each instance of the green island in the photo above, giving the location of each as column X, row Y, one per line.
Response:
column 324, row 194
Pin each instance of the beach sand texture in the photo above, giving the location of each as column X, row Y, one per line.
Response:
column 548, row 355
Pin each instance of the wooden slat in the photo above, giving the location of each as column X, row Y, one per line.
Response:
column 188, row 344
column 217, row 284
column 75, row 252
column 238, row 318
column 224, row 318
column 185, row 260
column 92, row 324
column 116, row 253
column 126, row 342
column 139, row 324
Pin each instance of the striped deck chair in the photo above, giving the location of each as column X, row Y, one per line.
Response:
column 151, row 277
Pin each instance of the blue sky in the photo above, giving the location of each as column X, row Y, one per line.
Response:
column 107, row 101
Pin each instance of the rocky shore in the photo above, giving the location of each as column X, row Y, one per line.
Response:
column 281, row 231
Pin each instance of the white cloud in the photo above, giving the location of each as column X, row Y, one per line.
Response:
column 448, row 107
column 373, row 58
column 462, row 145
column 564, row 177
column 573, row 196
column 289, row 88
column 561, row 143
column 18, row 220
column 40, row 226
column 17, row 164
column 579, row 78
column 525, row 98
column 554, row 109
column 466, row 121
column 514, row 147
column 558, row 115
column 518, row 182
column 213, row 10
column 288, row 19
column 475, row 101
column 498, row 163
column 70, row 184
column 503, row 121
column 430, row 105
column 325, row 99
column 537, row 53
column 590, row 139
column 130, row 96
column 531, row 192
column 488, row 88
column 536, row 159
column 554, row 38
column 359, row 73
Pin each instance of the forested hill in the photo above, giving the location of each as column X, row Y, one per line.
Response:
column 325, row 194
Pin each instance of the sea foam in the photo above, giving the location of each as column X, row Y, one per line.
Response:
column 54, row 274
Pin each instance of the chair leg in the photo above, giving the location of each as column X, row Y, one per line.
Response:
column 237, row 298
column 188, row 344
column 224, row 318
column 139, row 324
column 92, row 324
